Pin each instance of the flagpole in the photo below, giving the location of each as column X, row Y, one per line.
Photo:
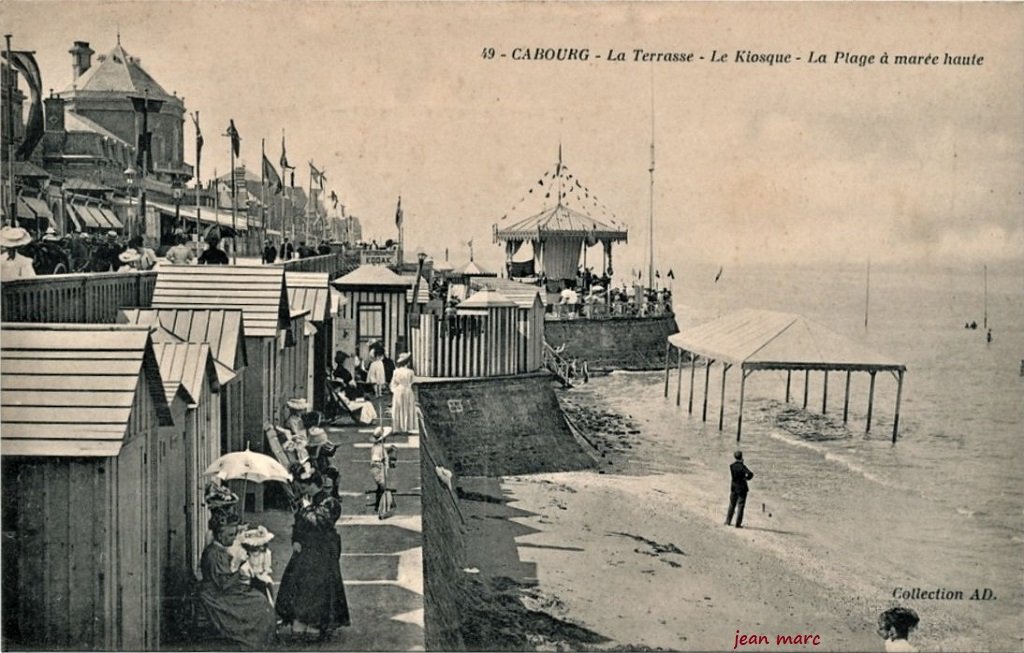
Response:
column 309, row 203
column 263, row 185
column 12, row 207
column 199, row 155
column 234, row 205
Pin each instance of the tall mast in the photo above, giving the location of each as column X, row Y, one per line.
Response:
column 986, row 297
column 867, row 295
column 650, row 225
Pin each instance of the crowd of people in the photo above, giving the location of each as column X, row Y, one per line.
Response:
column 288, row 251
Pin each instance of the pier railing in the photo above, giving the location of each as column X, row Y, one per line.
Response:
column 334, row 264
column 92, row 297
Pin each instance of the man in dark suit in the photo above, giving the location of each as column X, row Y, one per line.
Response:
column 738, row 490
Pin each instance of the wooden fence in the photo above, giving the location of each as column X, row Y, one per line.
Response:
column 334, row 264
column 83, row 298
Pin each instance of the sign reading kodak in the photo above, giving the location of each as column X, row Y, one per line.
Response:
column 378, row 257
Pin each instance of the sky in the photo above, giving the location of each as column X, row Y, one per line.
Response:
column 783, row 164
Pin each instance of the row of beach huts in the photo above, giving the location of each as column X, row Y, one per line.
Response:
column 107, row 428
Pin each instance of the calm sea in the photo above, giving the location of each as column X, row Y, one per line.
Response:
column 943, row 508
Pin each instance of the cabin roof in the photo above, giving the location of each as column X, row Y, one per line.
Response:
column 486, row 299
column 222, row 328
column 523, row 294
column 185, row 364
column 371, row 275
column 69, row 389
column 310, row 291
column 258, row 291
column 472, row 269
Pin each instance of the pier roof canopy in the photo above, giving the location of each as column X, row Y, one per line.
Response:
column 71, row 390
column 759, row 339
column 560, row 221
column 259, row 291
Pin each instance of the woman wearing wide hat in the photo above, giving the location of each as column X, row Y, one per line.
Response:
column 403, row 401
column 14, row 265
column 312, row 594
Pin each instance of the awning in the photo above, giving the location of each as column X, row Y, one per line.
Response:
column 207, row 215
column 24, row 211
column 39, row 207
column 115, row 222
column 97, row 217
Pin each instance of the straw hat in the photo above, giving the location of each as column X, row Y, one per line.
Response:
column 129, row 256
column 51, row 235
column 404, row 357
column 14, row 237
column 298, row 403
column 317, row 436
column 111, row 234
column 382, row 432
column 254, row 537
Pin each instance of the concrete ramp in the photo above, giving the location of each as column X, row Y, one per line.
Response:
column 501, row 426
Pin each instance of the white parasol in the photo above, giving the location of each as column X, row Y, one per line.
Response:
column 248, row 466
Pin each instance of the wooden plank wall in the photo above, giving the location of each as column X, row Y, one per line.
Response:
column 472, row 345
column 394, row 302
column 85, row 298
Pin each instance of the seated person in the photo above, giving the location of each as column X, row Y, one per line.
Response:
column 293, row 433
column 239, row 611
column 343, row 378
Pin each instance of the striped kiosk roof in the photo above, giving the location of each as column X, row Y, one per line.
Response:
column 310, row 291
column 258, row 291
column 221, row 328
column 69, row 389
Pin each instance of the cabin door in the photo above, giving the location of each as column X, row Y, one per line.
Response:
column 132, row 590
column 369, row 327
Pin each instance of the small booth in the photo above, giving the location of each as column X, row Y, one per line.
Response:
column 83, row 406
column 311, row 291
column 374, row 309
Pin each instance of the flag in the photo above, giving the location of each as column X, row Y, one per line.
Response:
column 317, row 175
column 719, row 275
column 236, row 140
column 284, row 157
column 199, row 138
column 670, row 275
column 25, row 63
column 271, row 177
column 399, row 216
column 657, row 274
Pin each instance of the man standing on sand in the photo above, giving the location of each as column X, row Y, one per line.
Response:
column 738, row 490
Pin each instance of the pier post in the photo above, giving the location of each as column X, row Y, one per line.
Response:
column 693, row 370
column 789, row 377
column 871, row 401
column 707, row 383
column 721, row 405
column 743, row 387
column 846, row 398
column 899, row 395
column 668, row 351
column 807, row 383
column 679, row 376
column 824, row 395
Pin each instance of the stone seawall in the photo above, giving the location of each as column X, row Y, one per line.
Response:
column 443, row 550
column 613, row 344
column 501, row 426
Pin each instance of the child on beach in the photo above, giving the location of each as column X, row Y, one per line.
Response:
column 894, row 625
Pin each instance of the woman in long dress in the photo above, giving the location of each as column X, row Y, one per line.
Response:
column 403, row 401
column 237, row 607
column 312, row 593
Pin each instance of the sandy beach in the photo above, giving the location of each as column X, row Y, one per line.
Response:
column 628, row 557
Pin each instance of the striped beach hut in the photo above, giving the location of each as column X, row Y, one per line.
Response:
column 260, row 293
column 190, row 445
column 80, row 443
column 529, row 318
column 311, row 291
column 374, row 309
column 222, row 329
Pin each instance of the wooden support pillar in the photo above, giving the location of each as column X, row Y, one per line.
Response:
column 846, row 398
column 807, row 383
column 668, row 350
column 693, row 371
column 707, row 383
column 679, row 376
column 871, row 401
column 896, row 419
column 721, row 404
column 743, row 387
column 789, row 378
column 824, row 395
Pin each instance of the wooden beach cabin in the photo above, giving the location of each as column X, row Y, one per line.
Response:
column 758, row 340
column 189, row 446
column 293, row 361
column 311, row 291
column 374, row 309
column 260, row 293
column 80, row 444
column 223, row 330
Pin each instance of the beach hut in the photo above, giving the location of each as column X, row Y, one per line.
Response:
column 311, row 291
column 293, row 361
column 529, row 318
column 260, row 293
column 80, row 443
column 374, row 309
column 190, row 445
column 223, row 330
column 758, row 340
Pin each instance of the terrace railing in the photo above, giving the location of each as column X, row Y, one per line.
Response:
column 91, row 297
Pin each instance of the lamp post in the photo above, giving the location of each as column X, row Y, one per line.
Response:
column 129, row 178
column 178, row 192
column 421, row 258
